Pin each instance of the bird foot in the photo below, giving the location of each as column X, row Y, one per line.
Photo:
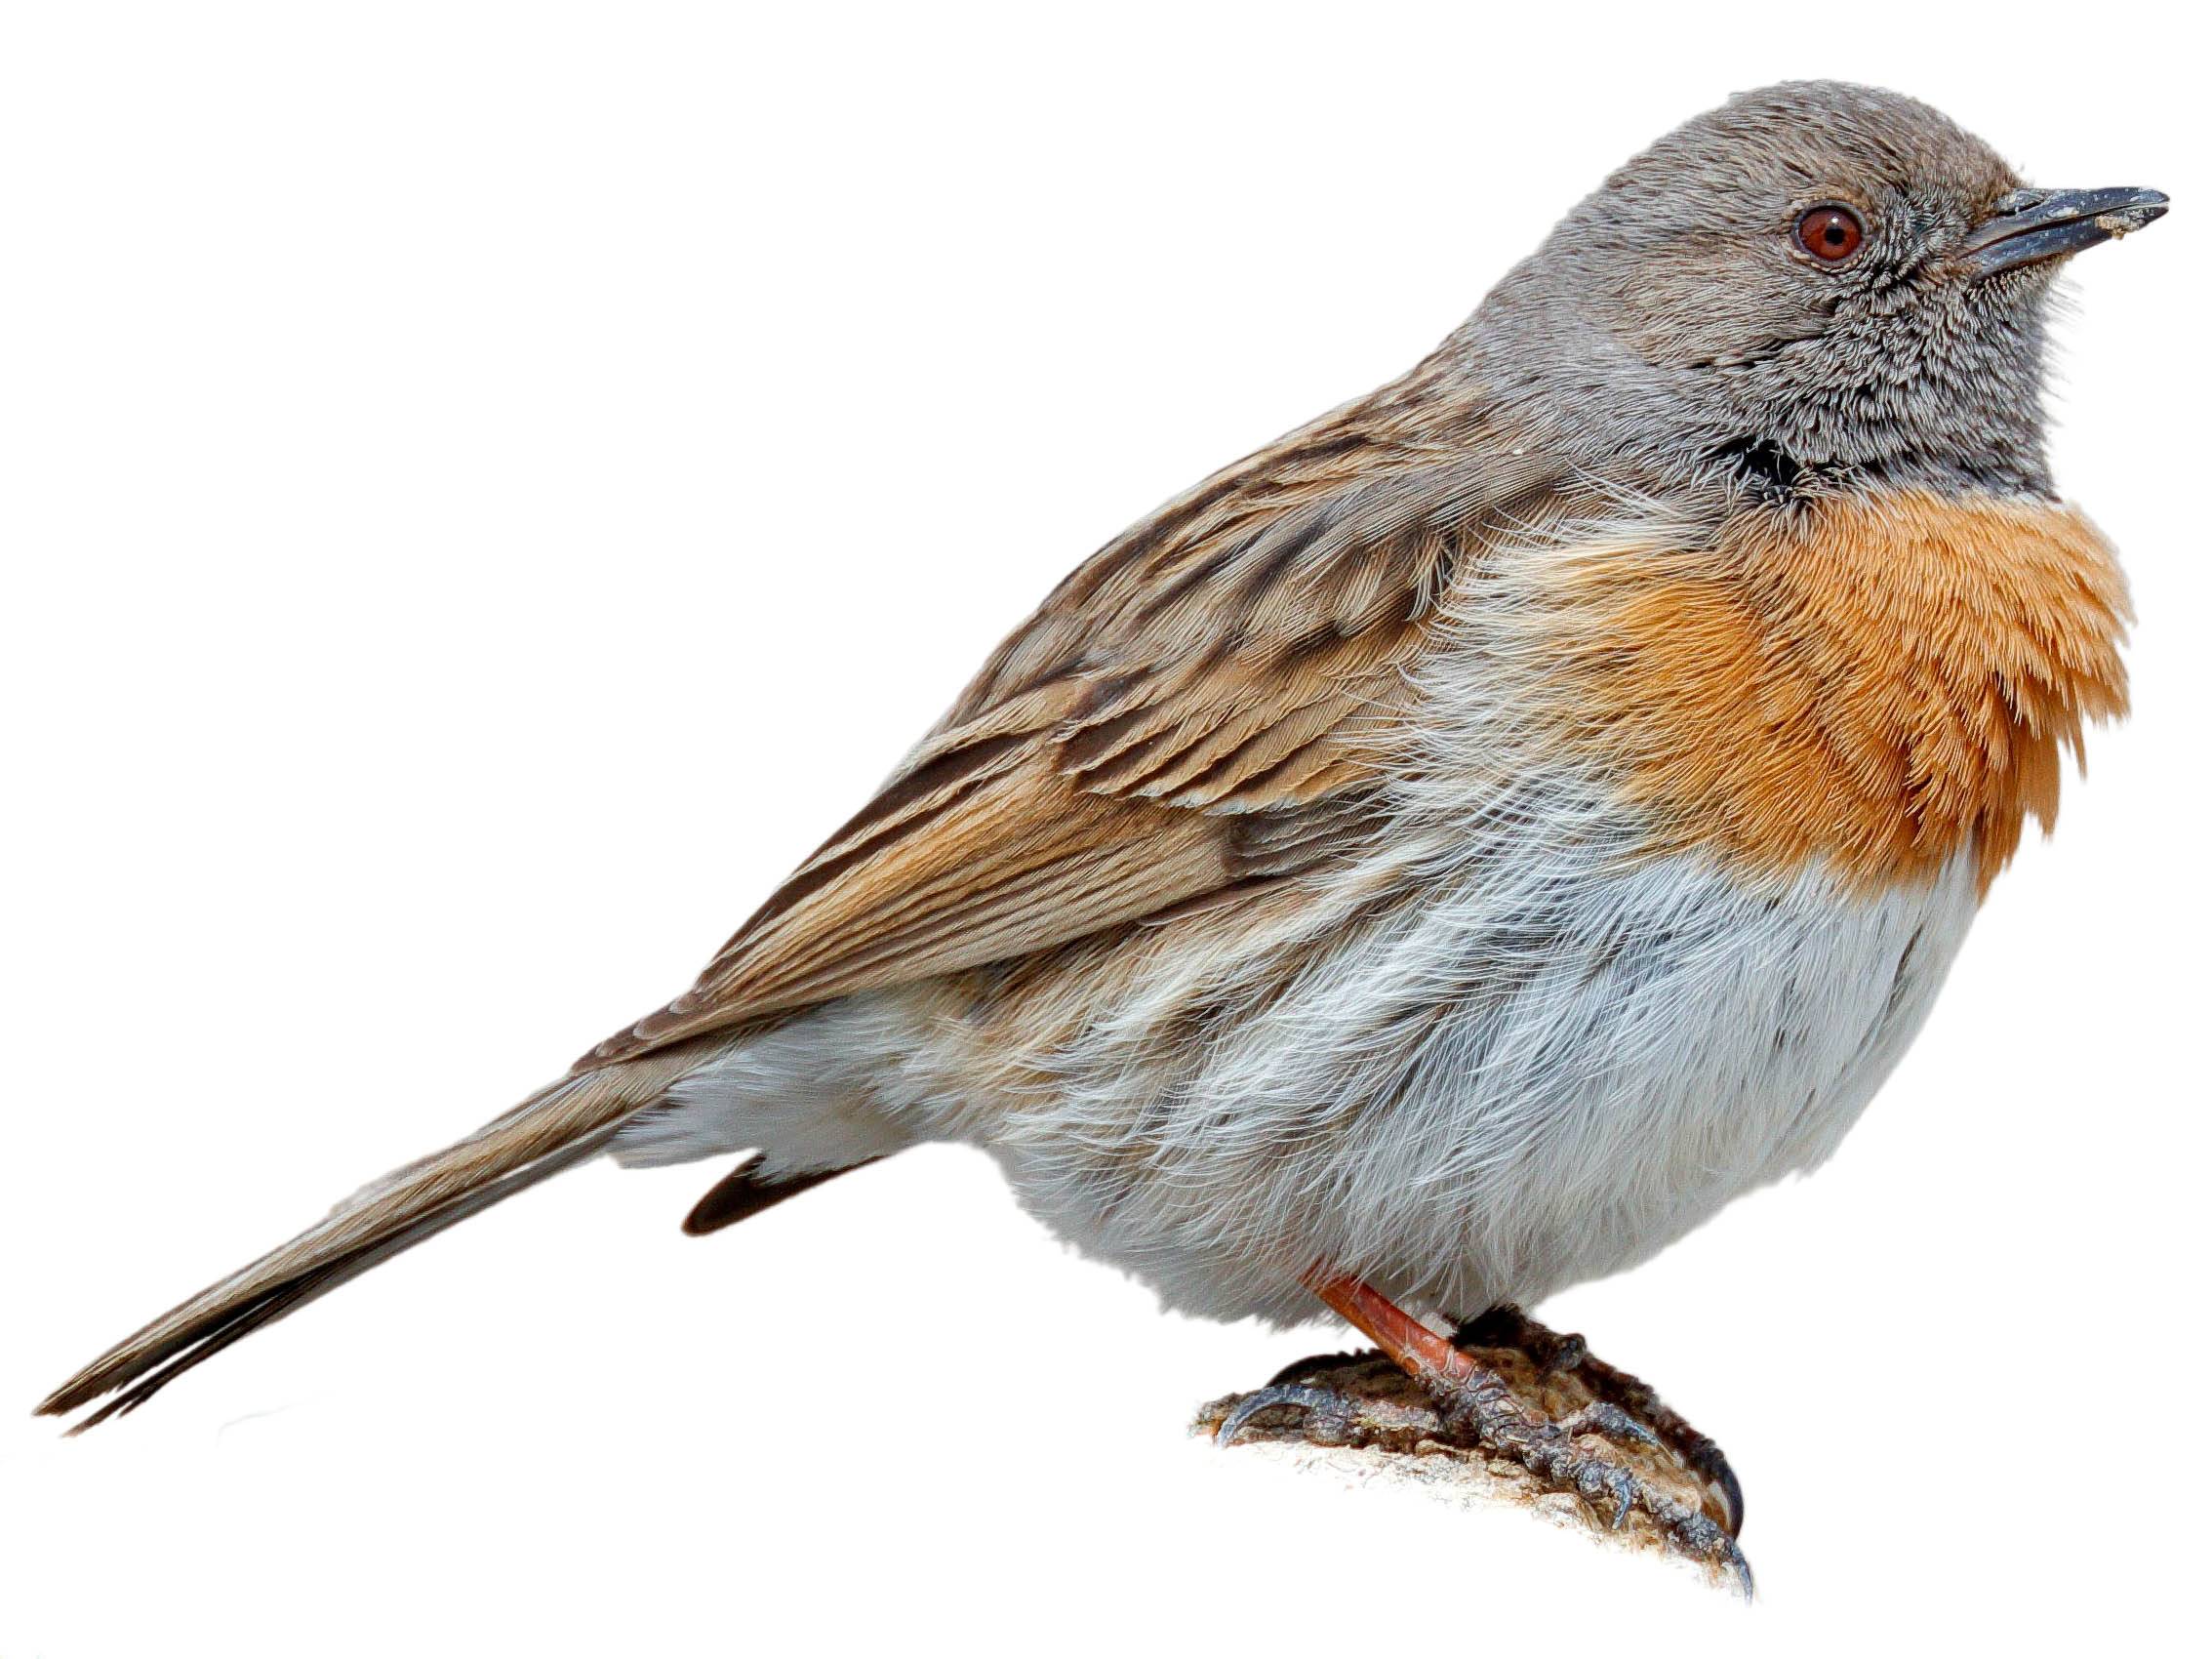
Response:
column 1483, row 1410
column 1552, row 1352
column 1530, row 1401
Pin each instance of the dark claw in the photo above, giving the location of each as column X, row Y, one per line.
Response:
column 1694, row 1533
column 1712, row 1464
column 1623, row 1487
column 1699, row 1536
column 1732, row 1499
column 1315, row 1402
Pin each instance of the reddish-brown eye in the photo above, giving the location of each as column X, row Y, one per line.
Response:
column 1830, row 233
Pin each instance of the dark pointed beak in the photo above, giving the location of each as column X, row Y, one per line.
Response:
column 2030, row 225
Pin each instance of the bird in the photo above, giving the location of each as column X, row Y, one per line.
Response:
column 1451, row 853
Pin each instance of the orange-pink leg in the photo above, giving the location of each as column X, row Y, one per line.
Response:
column 1419, row 1350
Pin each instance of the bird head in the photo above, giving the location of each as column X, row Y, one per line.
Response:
column 1814, row 275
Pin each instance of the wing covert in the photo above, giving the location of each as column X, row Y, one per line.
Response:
column 1160, row 730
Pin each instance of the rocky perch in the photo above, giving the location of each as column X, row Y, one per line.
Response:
column 1583, row 1445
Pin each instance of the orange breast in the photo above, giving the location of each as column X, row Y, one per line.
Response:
column 1881, row 681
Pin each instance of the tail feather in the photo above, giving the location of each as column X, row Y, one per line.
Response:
column 557, row 1127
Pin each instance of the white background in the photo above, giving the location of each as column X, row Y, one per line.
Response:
column 487, row 488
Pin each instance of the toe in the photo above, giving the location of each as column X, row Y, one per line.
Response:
column 1601, row 1417
column 1311, row 1404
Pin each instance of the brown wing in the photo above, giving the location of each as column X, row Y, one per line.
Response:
column 1194, row 708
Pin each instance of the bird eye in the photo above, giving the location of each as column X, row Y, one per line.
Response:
column 1831, row 234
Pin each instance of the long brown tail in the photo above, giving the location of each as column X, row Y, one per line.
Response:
column 559, row 1126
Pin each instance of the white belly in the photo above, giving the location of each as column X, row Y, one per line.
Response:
column 1525, row 1074
column 1492, row 1095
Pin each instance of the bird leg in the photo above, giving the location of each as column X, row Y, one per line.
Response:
column 1472, row 1405
column 1549, row 1352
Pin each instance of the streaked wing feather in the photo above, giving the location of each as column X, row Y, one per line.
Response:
column 1198, row 706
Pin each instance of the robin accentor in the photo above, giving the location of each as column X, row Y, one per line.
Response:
column 1452, row 852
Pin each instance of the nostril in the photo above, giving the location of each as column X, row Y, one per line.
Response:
column 2016, row 201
